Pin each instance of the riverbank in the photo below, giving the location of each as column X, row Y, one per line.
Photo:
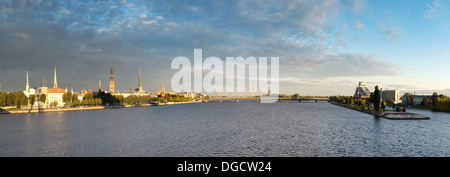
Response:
column 388, row 114
column 87, row 108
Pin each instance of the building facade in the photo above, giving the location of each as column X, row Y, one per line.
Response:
column 409, row 99
column 362, row 91
column 393, row 95
column 56, row 95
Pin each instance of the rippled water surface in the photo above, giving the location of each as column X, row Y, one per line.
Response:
column 215, row 129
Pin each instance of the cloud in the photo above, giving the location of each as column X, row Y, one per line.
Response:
column 64, row 11
column 391, row 32
column 86, row 38
column 360, row 26
column 433, row 54
column 433, row 9
column 437, row 12
column 19, row 35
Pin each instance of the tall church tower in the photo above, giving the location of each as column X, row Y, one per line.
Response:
column 140, row 83
column 27, row 88
column 55, row 81
column 111, row 82
column 99, row 85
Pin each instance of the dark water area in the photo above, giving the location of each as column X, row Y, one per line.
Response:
column 227, row 129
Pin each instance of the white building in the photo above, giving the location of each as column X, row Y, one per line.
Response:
column 393, row 95
column 55, row 95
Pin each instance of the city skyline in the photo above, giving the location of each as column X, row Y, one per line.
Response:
column 325, row 47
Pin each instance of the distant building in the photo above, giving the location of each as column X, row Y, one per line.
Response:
column 140, row 82
column 409, row 99
column 127, row 94
column 111, row 82
column 99, row 85
column 43, row 90
column 362, row 91
column 187, row 95
column 29, row 91
column 55, row 81
column 162, row 92
column 55, row 94
column 84, row 92
column 393, row 95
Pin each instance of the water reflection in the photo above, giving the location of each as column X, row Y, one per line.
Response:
column 54, row 133
column 246, row 128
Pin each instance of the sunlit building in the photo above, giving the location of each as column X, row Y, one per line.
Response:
column 55, row 94
column 362, row 91
column 393, row 95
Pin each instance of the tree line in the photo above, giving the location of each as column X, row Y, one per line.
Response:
column 440, row 102
column 17, row 99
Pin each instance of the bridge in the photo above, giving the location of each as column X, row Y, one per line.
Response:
column 316, row 99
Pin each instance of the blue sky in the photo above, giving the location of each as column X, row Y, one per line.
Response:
column 325, row 46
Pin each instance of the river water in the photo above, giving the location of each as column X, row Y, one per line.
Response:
column 247, row 128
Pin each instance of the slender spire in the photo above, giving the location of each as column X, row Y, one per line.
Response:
column 99, row 85
column 140, row 83
column 28, row 85
column 55, row 82
column 111, row 82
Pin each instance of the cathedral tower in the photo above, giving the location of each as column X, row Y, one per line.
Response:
column 28, row 85
column 140, row 83
column 111, row 82
column 55, row 81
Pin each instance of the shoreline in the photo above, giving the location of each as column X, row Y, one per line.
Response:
column 387, row 115
column 84, row 108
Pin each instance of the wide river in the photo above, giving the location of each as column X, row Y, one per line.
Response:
column 247, row 128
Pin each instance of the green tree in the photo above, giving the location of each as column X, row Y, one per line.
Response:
column 434, row 100
column 75, row 100
column 24, row 100
column 20, row 99
column 120, row 99
column 10, row 99
column 67, row 98
column 43, row 98
column 383, row 105
column 376, row 99
column 3, row 98
column 32, row 100
column 88, row 96
column 296, row 96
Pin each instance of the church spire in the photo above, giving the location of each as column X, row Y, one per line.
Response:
column 55, row 82
column 99, row 85
column 140, row 83
column 28, row 85
column 111, row 82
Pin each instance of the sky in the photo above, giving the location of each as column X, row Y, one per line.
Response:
column 325, row 47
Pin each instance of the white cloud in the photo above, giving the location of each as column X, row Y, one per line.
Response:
column 19, row 35
column 391, row 32
column 360, row 26
column 63, row 11
column 432, row 9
